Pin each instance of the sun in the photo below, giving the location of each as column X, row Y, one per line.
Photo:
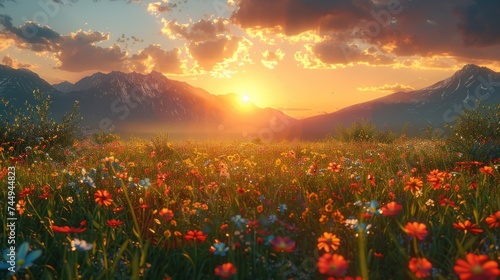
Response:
column 245, row 99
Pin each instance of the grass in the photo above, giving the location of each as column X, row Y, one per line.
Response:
column 267, row 203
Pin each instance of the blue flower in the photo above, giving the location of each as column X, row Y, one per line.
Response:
column 238, row 220
column 282, row 208
column 272, row 218
column 20, row 260
column 220, row 249
column 372, row 208
column 80, row 245
column 145, row 183
column 268, row 239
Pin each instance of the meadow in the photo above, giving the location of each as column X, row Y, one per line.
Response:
column 160, row 209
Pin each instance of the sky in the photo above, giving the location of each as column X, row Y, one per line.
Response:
column 302, row 57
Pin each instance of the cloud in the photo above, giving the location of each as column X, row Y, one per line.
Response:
column 155, row 58
column 479, row 23
column 78, row 51
column 202, row 30
column 397, row 87
column 160, row 7
column 464, row 30
column 270, row 59
column 29, row 33
column 208, row 53
column 7, row 60
column 297, row 16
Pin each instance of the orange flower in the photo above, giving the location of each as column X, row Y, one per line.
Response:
column 467, row 226
column 283, row 244
column 493, row 220
column 334, row 167
column 328, row 241
column 21, row 206
column 486, row 170
column 113, row 223
column 103, row 197
column 476, row 267
column 421, row 267
column 332, row 265
column 415, row 184
column 225, row 270
column 391, row 209
column 416, row 229
column 195, row 235
column 167, row 214
column 437, row 178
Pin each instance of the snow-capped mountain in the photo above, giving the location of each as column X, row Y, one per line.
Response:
column 432, row 106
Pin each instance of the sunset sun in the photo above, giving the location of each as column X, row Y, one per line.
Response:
column 245, row 99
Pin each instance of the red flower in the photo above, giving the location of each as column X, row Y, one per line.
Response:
column 467, row 226
column 283, row 244
column 476, row 267
column 225, row 270
column 416, row 229
column 67, row 229
column 493, row 220
column 486, row 170
column 113, row 223
column 195, row 235
column 332, row 265
column 391, row 209
column 103, row 197
column 421, row 267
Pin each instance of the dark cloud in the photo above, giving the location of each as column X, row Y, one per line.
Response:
column 297, row 16
column 208, row 53
column 155, row 58
column 480, row 23
column 333, row 51
column 30, row 32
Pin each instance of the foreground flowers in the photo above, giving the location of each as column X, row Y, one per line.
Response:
column 332, row 265
column 22, row 258
column 328, row 241
column 283, row 244
column 416, row 229
column 103, row 197
column 476, row 267
column 421, row 267
column 493, row 220
column 225, row 270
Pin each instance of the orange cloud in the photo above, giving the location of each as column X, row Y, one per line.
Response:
column 397, row 87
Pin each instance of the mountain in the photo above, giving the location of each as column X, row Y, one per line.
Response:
column 64, row 86
column 433, row 106
column 133, row 103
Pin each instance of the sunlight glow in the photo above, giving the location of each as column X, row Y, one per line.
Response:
column 245, row 98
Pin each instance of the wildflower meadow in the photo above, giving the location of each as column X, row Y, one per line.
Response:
column 161, row 209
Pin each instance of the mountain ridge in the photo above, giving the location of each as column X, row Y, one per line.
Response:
column 154, row 100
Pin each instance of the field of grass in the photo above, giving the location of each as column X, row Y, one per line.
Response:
column 154, row 209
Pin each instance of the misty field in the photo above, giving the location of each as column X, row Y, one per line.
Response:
column 155, row 209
